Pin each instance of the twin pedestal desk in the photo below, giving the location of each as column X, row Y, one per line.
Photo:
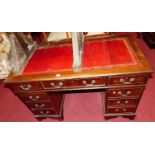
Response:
column 114, row 65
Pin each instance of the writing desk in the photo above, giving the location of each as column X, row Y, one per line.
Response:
column 115, row 65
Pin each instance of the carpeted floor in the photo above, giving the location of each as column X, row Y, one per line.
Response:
column 82, row 107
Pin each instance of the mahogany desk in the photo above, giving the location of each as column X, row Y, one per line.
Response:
column 114, row 65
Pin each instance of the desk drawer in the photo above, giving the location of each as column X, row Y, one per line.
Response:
column 44, row 104
column 124, row 92
column 25, row 86
column 128, row 79
column 33, row 97
column 122, row 102
column 122, row 110
column 90, row 82
column 56, row 84
column 43, row 112
column 86, row 82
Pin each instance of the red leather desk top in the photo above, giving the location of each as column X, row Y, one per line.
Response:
column 96, row 55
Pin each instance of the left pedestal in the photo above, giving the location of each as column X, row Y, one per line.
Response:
column 43, row 104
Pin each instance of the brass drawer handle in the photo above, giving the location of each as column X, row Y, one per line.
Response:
column 25, row 86
column 122, row 80
column 55, row 86
column 124, row 109
column 126, row 101
column 34, row 98
column 127, row 93
column 39, row 106
column 89, row 84
column 41, row 112
column 118, row 102
column 47, row 112
column 116, row 110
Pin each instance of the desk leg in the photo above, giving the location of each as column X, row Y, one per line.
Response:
column 61, row 118
column 130, row 117
column 57, row 100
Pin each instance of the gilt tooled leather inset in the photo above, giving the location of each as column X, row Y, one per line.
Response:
column 97, row 54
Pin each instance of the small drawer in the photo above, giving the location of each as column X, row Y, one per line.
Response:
column 33, row 97
column 56, row 84
column 122, row 110
column 45, row 104
column 91, row 82
column 122, row 102
column 25, row 86
column 128, row 79
column 124, row 92
column 43, row 112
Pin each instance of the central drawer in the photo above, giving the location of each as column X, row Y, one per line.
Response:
column 72, row 83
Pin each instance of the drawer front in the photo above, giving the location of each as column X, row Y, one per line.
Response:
column 122, row 103
column 25, row 86
column 45, row 104
column 124, row 92
column 56, row 84
column 33, row 97
column 43, row 112
column 74, row 83
column 128, row 79
column 122, row 110
column 91, row 82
